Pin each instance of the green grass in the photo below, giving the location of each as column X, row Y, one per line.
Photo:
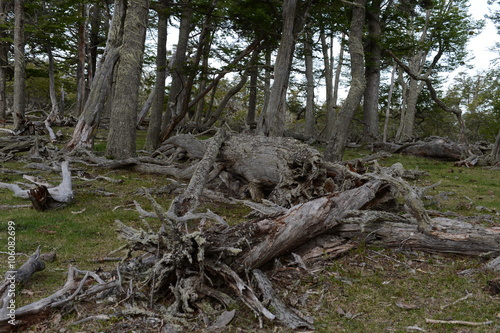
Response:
column 369, row 281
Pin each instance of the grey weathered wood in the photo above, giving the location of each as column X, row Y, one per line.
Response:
column 304, row 222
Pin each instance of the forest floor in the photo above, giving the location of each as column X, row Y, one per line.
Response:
column 369, row 289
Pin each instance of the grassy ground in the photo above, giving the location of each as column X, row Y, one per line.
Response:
column 371, row 289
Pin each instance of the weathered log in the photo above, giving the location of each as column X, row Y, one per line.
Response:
column 437, row 148
column 304, row 222
column 282, row 170
column 447, row 235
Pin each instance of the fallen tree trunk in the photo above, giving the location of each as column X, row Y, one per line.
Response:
column 447, row 235
column 438, row 148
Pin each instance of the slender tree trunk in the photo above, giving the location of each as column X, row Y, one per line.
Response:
column 121, row 138
column 327, row 64
column 80, row 65
column 310, row 131
column 83, row 135
column 154, row 128
column 54, row 115
column 338, row 72
column 252, row 98
column 372, row 72
column 177, row 67
column 274, row 119
column 267, row 88
column 19, row 104
column 200, row 106
column 95, row 15
column 336, row 146
column 332, row 115
column 389, row 102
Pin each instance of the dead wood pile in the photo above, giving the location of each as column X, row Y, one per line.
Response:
column 308, row 209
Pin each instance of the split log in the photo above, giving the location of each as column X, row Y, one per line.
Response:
column 447, row 235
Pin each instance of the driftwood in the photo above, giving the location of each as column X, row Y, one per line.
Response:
column 44, row 197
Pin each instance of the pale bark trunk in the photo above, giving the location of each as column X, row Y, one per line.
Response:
column 389, row 102
column 373, row 63
column 408, row 117
column 338, row 72
column 274, row 119
column 121, row 138
column 154, row 128
column 267, row 88
column 310, row 131
column 54, row 115
column 19, row 104
column 80, row 66
column 332, row 115
column 328, row 66
column 83, row 135
column 336, row 146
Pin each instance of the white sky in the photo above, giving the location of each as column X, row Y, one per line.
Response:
column 480, row 45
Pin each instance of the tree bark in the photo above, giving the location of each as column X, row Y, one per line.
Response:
column 328, row 68
column 80, row 65
column 310, row 131
column 389, row 104
column 86, row 127
column 121, row 138
column 55, row 112
column 338, row 139
column 252, row 97
column 373, row 53
column 178, row 71
column 154, row 127
column 19, row 104
column 274, row 119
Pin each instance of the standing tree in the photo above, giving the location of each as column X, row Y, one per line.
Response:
column 83, row 135
column 121, row 138
column 19, row 103
column 373, row 52
column 294, row 15
column 335, row 148
column 154, row 128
